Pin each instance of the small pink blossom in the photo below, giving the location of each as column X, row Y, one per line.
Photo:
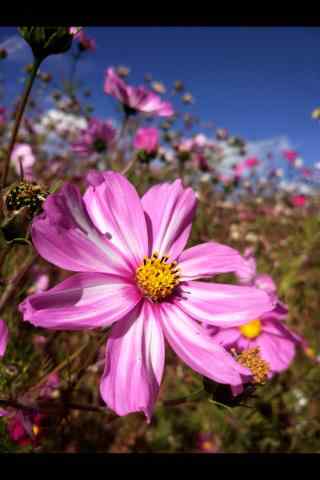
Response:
column 252, row 162
column 136, row 99
column 298, row 200
column 96, row 138
column 290, row 155
column 147, row 139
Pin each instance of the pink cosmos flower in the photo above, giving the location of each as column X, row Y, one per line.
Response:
column 252, row 162
column 3, row 337
column 96, row 138
column 298, row 200
column 133, row 272
column 136, row 99
column 23, row 152
column 276, row 343
column 290, row 155
column 147, row 139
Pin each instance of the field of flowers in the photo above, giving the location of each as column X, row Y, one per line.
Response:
column 152, row 299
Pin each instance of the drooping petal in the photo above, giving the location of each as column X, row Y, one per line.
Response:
column 115, row 86
column 3, row 337
column 169, row 210
column 207, row 259
column 222, row 305
column 134, row 363
column 65, row 236
column 82, row 301
column 197, row 349
column 115, row 208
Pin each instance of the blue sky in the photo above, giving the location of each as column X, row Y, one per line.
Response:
column 260, row 82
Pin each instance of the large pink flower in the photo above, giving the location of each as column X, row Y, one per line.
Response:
column 133, row 272
column 136, row 99
column 3, row 337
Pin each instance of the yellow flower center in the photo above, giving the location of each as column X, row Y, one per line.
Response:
column 251, row 329
column 156, row 278
column 251, row 359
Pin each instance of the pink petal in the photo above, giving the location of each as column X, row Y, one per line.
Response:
column 222, row 305
column 134, row 363
column 169, row 210
column 3, row 337
column 197, row 349
column 277, row 351
column 114, row 207
column 207, row 259
column 226, row 336
column 65, row 236
column 115, row 86
column 84, row 300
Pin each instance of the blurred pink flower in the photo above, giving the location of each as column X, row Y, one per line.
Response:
column 23, row 428
column 251, row 162
column 298, row 200
column 147, row 139
column 201, row 162
column 3, row 337
column 23, row 152
column 290, row 155
column 134, row 274
column 96, row 138
column 136, row 99
column 85, row 42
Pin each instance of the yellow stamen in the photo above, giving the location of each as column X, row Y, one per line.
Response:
column 156, row 278
column 251, row 359
column 251, row 329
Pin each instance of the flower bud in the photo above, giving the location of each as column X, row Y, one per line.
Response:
column 45, row 41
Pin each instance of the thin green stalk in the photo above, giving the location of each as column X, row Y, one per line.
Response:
column 21, row 109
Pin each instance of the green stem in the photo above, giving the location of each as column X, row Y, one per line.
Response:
column 21, row 109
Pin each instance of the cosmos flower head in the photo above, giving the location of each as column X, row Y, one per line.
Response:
column 266, row 345
column 135, row 99
column 96, row 138
column 133, row 273
column 147, row 139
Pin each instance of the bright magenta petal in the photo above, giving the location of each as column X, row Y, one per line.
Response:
column 207, row 259
column 222, row 305
column 115, row 208
column 169, row 212
column 83, row 301
column 65, row 236
column 193, row 344
column 134, row 363
column 3, row 337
